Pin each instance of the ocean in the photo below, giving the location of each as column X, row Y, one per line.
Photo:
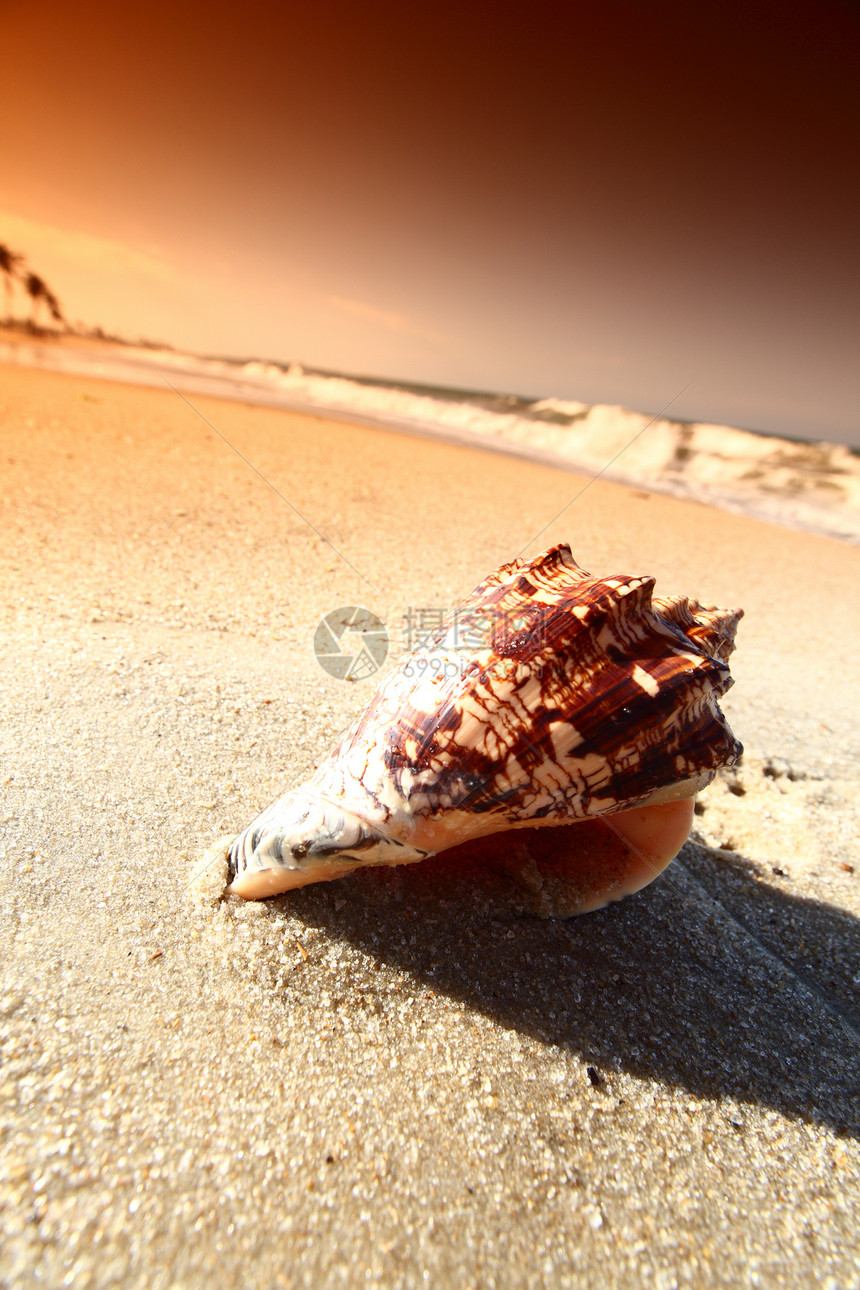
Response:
column 808, row 485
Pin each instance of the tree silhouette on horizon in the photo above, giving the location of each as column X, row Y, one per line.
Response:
column 12, row 266
column 54, row 308
column 38, row 291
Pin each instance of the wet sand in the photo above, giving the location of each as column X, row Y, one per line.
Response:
column 380, row 1081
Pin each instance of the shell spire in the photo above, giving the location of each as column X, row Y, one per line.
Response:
column 545, row 698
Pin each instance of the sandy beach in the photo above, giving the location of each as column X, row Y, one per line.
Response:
column 379, row 1081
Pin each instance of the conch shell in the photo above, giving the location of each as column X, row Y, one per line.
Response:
column 547, row 698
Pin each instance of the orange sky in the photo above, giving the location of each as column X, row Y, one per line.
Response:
column 599, row 202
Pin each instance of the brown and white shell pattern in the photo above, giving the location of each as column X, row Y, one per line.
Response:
column 548, row 696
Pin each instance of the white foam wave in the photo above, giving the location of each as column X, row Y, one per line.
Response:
column 812, row 486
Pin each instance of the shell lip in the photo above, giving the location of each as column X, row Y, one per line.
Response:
column 258, row 881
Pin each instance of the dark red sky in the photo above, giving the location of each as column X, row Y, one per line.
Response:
column 596, row 201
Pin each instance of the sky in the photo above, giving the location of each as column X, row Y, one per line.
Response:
column 599, row 202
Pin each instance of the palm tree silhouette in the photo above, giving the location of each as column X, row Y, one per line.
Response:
column 54, row 308
column 10, row 262
column 39, row 292
column 11, row 266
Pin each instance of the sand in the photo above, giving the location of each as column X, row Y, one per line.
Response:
column 380, row 1081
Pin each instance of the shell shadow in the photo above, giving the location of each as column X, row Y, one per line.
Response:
column 710, row 980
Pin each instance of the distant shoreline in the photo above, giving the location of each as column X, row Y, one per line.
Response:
column 801, row 484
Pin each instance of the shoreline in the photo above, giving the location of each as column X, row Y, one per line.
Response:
column 804, row 485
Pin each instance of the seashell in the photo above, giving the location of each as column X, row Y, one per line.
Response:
column 547, row 699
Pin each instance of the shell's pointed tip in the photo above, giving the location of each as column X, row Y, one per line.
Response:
column 211, row 874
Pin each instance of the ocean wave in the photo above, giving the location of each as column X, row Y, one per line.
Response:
column 814, row 486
